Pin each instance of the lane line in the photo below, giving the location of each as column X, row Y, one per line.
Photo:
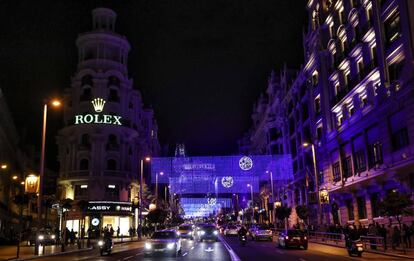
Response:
column 233, row 255
column 185, row 253
column 128, row 257
column 192, row 248
column 301, row 259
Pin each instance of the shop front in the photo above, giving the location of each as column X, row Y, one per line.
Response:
column 101, row 215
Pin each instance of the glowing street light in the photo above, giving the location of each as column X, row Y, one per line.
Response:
column 15, row 177
column 156, row 184
column 53, row 103
column 147, row 159
column 3, row 166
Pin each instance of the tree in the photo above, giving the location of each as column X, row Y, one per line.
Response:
column 157, row 216
column 396, row 205
column 283, row 213
column 303, row 212
column 83, row 207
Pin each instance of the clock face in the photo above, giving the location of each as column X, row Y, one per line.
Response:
column 246, row 163
column 95, row 222
column 227, row 182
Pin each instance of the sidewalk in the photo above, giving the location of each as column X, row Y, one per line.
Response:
column 27, row 252
column 389, row 252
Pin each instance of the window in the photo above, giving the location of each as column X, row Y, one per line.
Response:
column 350, row 209
column 113, row 95
column 347, row 167
column 319, row 133
column 112, row 191
column 374, row 204
column 318, row 105
column 400, row 139
column 85, row 141
column 315, row 78
column 375, row 154
column 113, row 81
column 362, row 210
column 360, row 66
column 392, row 28
column 111, row 164
column 360, row 163
column 112, row 142
column 84, row 164
column 394, row 71
column 86, row 94
column 86, row 80
column 336, row 170
column 81, row 191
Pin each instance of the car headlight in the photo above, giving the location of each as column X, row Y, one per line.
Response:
column 170, row 246
column 215, row 233
column 100, row 243
column 148, row 245
column 41, row 237
column 53, row 236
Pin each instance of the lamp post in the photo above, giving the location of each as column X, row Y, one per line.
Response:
column 251, row 195
column 147, row 159
column 165, row 193
column 273, row 197
column 315, row 173
column 156, row 184
column 54, row 103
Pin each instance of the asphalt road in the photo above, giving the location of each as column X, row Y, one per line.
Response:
column 192, row 250
column 264, row 251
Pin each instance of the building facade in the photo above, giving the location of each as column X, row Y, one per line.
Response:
column 107, row 130
column 352, row 101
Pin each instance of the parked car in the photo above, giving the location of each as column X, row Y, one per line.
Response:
column 231, row 230
column 208, row 232
column 163, row 242
column 293, row 238
column 259, row 232
column 186, row 231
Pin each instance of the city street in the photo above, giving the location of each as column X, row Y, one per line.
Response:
column 192, row 250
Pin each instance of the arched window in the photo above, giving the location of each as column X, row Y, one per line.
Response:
column 113, row 81
column 111, row 164
column 84, row 164
column 86, row 80
column 113, row 95
column 86, row 93
column 112, row 139
column 85, row 141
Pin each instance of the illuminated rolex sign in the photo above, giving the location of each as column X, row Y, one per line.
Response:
column 97, row 118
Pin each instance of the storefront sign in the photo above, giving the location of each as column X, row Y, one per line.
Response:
column 109, row 206
column 98, row 105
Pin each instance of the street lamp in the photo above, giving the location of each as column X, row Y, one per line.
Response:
column 315, row 173
column 53, row 103
column 251, row 195
column 156, row 184
column 237, row 201
column 273, row 198
column 3, row 166
column 147, row 159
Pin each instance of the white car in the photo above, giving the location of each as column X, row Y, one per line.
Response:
column 261, row 232
column 231, row 230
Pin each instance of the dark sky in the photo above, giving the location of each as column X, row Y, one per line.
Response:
column 201, row 64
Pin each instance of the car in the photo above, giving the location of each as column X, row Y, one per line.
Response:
column 259, row 232
column 208, row 232
column 293, row 238
column 163, row 242
column 222, row 228
column 45, row 237
column 231, row 230
column 186, row 231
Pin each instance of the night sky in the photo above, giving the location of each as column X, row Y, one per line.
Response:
column 199, row 64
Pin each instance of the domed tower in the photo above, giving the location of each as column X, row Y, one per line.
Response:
column 106, row 131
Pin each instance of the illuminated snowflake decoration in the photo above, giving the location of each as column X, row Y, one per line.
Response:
column 246, row 163
column 227, row 182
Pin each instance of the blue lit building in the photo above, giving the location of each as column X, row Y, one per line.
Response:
column 207, row 184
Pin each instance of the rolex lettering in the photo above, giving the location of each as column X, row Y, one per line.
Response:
column 98, row 105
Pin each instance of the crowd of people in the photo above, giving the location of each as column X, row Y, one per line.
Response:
column 391, row 235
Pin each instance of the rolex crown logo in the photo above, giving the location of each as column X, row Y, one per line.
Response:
column 98, row 104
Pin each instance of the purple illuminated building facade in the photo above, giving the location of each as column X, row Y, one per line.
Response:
column 353, row 100
column 106, row 131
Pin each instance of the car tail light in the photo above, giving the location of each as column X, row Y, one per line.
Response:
column 305, row 238
column 359, row 245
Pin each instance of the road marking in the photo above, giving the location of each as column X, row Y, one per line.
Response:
column 233, row 255
column 139, row 254
column 128, row 257
column 185, row 253
column 301, row 259
column 209, row 249
column 192, row 248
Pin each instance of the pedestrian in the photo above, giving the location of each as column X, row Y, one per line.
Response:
column 372, row 233
column 112, row 231
column 396, row 238
column 412, row 229
column 382, row 231
column 118, row 231
column 406, row 236
column 72, row 236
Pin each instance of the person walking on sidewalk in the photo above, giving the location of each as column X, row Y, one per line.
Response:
column 406, row 236
column 382, row 231
column 118, row 231
column 396, row 238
